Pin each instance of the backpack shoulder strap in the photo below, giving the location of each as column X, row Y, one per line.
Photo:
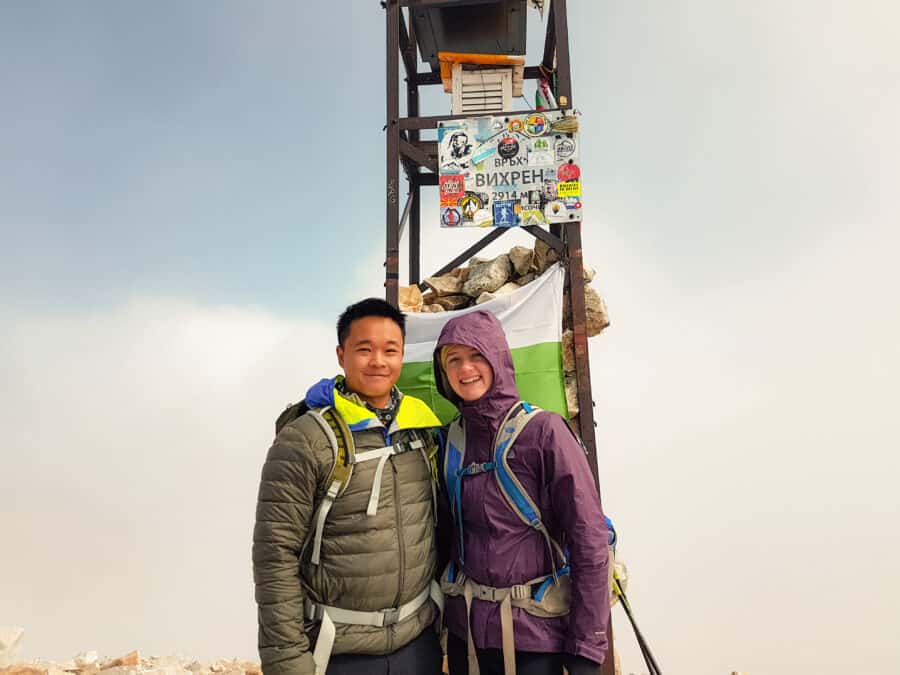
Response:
column 518, row 499
column 340, row 439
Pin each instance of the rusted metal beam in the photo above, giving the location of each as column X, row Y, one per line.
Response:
column 563, row 66
column 550, row 39
column 408, row 48
column 495, row 234
column 575, row 273
column 414, row 153
column 392, row 174
column 444, row 3
column 427, row 179
column 431, row 122
column 548, row 238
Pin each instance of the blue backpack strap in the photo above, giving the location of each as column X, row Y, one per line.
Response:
column 454, row 454
column 519, row 501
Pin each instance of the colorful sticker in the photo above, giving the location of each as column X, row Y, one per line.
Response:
column 536, row 125
column 516, row 125
column 508, row 147
column 541, row 152
column 549, row 191
column 568, row 172
column 452, row 187
column 570, row 188
column 565, row 148
column 450, row 216
column 505, row 213
column 483, row 218
column 469, row 204
column 482, row 152
column 555, row 211
column 532, row 216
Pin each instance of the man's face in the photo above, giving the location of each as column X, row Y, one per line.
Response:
column 372, row 356
column 459, row 142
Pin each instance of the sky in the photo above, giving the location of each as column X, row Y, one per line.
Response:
column 191, row 193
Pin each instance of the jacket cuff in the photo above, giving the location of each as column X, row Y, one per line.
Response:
column 588, row 650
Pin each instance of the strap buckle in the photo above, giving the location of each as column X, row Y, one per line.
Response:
column 390, row 616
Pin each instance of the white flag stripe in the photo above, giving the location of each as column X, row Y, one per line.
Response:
column 530, row 315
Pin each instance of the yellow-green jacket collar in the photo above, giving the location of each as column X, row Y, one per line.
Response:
column 411, row 412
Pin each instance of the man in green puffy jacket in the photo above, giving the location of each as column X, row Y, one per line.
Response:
column 343, row 548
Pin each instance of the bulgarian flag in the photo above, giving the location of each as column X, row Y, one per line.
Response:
column 532, row 320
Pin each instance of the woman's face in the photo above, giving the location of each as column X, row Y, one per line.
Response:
column 468, row 372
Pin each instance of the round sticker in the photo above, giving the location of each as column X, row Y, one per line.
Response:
column 516, row 125
column 565, row 148
column 536, row 124
column 567, row 172
column 508, row 147
column 555, row 209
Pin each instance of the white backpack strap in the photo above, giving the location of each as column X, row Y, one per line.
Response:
column 329, row 616
column 382, row 455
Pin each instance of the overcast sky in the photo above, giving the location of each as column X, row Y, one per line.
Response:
column 191, row 192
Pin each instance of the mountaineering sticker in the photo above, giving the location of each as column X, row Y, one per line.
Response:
column 450, row 216
column 452, row 187
column 469, row 204
column 508, row 147
column 541, row 152
column 570, row 188
column 455, row 149
column 555, row 211
column 516, row 125
column 536, row 124
column 505, row 213
column 565, row 148
column 568, row 172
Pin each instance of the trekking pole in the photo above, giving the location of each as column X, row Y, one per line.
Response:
column 645, row 649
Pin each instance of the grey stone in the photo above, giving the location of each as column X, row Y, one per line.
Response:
column 445, row 285
column 526, row 278
column 544, row 256
column 488, row 276
column 568, row 351
column 410, row 298
column 521, row 258
column 596, row 315
column 571, row 394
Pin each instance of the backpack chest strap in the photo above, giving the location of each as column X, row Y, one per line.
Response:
column 382, row 455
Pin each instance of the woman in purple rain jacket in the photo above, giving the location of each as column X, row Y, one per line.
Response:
column 474, row 370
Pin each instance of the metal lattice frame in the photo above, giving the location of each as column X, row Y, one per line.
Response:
column 419, row 160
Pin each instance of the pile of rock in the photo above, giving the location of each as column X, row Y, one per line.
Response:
column 484, row 280
column 88, row 663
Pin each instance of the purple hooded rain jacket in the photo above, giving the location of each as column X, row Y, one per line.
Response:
column 500, row 550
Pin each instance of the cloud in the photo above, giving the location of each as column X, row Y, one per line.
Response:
column 133, row 440
column 746, row 437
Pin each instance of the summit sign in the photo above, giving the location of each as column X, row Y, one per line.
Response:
column 509, row 171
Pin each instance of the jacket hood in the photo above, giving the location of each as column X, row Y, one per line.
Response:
column 480, row 330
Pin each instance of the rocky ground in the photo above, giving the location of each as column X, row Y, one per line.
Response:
column 132, row 664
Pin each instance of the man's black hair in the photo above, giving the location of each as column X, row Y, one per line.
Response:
column 368, row 307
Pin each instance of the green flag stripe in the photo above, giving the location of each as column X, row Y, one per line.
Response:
column 539, row 377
